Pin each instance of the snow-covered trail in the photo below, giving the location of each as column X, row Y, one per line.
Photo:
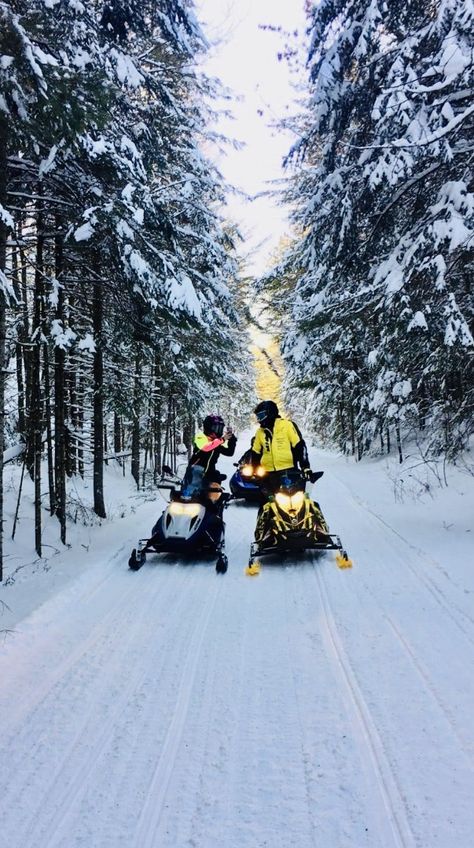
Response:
column 305, row 707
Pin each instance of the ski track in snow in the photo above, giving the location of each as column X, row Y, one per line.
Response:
column 449, row 606
column 394, row 828
column 305, row 708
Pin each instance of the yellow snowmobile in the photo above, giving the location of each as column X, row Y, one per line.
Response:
column 290, row 521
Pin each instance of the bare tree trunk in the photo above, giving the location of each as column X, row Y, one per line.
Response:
column 156, row 422
column 49, row 435
column 36, row 417
column 3, row 305
column 188, row 434
column 20, row 383
column 98, row 409
column 135, row 465
column 167, row 434
column 79, row 423
column 117, row 436
column 399, row 443
column 59, row 396
column 353, row 438
column 25, row 332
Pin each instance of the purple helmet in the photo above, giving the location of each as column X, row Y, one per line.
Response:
column 213, row 425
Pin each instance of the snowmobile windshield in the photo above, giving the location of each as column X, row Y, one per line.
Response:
column 292, row 481
column 193, row 483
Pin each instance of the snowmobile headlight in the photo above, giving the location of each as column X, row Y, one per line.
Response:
column 176, row 508
column 284, row 501
column 191, row 509
column 247, row 470
column 260, row 471
column 297, row 501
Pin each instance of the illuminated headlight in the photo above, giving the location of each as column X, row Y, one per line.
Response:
column 290, row 504
column 260, row 471
column 190, row 509
column 297, row 501
column 247, row 471
column 283, row 500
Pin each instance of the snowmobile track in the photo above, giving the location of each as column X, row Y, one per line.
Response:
column 74, row 657
column 149, row 820
column 449, row 606
column 66, row 791
column 395, row 826
column 465, row 744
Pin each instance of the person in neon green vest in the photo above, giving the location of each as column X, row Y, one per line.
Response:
column 211, row 443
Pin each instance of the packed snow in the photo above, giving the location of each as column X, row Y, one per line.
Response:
column 308, row 706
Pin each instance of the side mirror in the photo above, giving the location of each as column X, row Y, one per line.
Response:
column 316, row 475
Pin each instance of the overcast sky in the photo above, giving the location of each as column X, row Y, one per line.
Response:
column 244, row 57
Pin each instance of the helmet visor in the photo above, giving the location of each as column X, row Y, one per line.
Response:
column 217, row 427
column 262, row 415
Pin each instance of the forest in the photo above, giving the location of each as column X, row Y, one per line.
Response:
column 124, row 301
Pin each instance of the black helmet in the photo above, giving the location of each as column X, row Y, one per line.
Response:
column 266, row 411
column 213, row 424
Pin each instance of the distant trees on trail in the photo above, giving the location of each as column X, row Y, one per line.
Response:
column 116, row 314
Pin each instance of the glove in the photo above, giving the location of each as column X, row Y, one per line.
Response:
column 308, row 474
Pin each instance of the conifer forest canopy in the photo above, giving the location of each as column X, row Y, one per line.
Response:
column 124, row 303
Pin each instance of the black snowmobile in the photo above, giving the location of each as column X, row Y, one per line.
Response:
column 192, row 522
column 291, row 522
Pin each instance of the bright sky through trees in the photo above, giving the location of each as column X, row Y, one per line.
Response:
column 244, row 57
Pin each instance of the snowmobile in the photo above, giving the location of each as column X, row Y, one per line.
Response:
column 192, row 522
column 245, row 482
column 291, row 522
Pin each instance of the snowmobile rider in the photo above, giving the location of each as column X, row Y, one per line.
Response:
column 210, row 444
column 278, row 445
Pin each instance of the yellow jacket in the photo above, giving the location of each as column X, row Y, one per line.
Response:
column 275, row 449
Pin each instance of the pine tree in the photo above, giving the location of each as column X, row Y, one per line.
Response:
column 382, row 196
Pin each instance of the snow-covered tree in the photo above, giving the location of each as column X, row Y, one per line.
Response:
column 383, row 199
column 118, row 256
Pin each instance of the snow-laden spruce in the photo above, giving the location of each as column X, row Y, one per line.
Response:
column 116, row 252
column 383, row 201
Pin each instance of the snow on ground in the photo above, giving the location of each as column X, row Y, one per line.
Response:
column 307, row 706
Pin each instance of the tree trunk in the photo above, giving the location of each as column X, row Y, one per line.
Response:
column 156, row 423
column 59, row 397
column 20, row 383
column 3, row 304
column 25, row 332
column 49, row 435
column 79, row 423
column 135, row 466
column 167, row 435
column 34, row 448
column 98, row 410
column 117, row 436
column 353, row 437
column 399, row 443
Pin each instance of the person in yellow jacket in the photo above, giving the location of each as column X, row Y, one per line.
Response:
column 278, row 444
